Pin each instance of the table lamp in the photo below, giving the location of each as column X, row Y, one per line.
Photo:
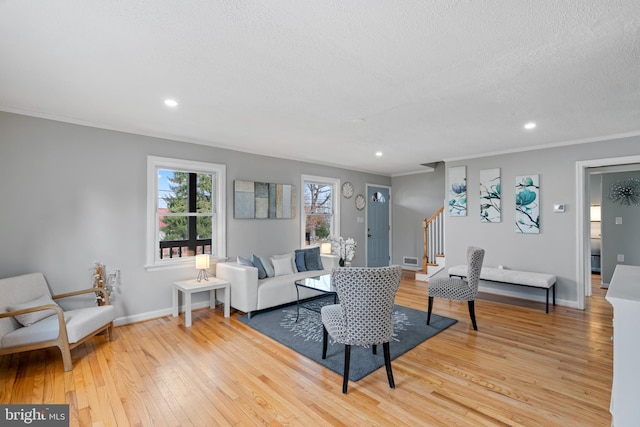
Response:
column 202, row 263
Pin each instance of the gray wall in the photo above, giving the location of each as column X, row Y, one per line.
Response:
column 415, row 197
column 554, row 249
column 618, row 238
column 72, row 195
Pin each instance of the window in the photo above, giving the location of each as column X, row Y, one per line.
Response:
column 185, row 211
column 320, row 209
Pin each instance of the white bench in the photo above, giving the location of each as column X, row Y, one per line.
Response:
column 513, row 277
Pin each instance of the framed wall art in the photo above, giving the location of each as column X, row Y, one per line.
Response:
column 528, row 204
column 263, row 200
column 490, row 195
column 458, row 191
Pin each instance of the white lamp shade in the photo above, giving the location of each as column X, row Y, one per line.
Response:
column 595, row 213
column 325, row 248
column 202, row 261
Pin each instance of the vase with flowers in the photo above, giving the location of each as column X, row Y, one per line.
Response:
column 344, row 248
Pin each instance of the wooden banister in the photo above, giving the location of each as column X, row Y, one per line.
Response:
column 425, row 226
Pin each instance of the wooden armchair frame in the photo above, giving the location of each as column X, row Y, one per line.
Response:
column 62, row 341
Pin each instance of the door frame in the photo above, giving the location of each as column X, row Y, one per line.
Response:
column 366, row 223
column 583, row 231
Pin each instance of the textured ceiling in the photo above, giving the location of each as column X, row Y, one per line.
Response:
column 330, row 81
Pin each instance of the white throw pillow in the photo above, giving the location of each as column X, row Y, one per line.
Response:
column 282, row 266
column 291, row 256
column 29, row 319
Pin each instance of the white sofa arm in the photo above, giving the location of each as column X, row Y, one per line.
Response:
column 329, row 261
column 244, row 284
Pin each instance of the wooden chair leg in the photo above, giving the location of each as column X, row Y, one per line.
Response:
column 472, row 313
column 387, row 363
column 347, row 359
column 324, row 341
column 429, row 310
column 66, row 357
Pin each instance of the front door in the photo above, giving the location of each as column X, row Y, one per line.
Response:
column 378, row 226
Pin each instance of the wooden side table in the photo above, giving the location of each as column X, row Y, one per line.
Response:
column 189, row 287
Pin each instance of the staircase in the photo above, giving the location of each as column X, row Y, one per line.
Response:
column 433, row 259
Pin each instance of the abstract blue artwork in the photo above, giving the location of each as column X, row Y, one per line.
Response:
column 263, row 200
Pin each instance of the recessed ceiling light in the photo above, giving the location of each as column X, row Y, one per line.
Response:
column 379, row 153
column 170, row 102
column 530, row 126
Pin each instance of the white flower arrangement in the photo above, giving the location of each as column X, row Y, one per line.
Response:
column 344, row 248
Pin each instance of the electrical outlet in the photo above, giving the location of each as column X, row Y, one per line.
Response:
column 618, row 220
column 620, row 257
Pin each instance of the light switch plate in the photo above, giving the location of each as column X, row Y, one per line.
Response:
column 558, row 207
column 618, row 220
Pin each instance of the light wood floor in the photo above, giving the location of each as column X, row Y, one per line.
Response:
column 523, row 367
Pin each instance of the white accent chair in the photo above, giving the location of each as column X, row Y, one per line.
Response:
column 30, row 319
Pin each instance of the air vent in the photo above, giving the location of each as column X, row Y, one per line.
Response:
column 410, row 260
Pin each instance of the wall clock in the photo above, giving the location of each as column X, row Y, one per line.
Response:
column 347, row 190
column 360, row 202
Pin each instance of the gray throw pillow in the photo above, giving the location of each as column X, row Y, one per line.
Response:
column 300, row 262
column 312, row 259
column 262, row 273
column 244, row 261
column 268, row 267
column 29, row 319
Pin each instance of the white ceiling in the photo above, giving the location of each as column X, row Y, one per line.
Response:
column 331, row 81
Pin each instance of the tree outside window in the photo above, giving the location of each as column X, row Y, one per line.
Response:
column 319, row 211
column 185, row 210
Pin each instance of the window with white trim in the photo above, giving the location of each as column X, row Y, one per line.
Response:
column 320, row 210
column 185, row 211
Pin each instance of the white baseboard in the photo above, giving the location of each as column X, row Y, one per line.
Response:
column 155, row 314
column 528, row 296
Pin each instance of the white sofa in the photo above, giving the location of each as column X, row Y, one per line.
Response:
column 250, row 294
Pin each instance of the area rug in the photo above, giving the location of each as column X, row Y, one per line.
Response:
column 305, row 335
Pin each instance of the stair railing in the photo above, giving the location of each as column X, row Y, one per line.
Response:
column 433, row 238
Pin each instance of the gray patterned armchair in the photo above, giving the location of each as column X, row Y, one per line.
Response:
column 459, row 289
column 363, row 316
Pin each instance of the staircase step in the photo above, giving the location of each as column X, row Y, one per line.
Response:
column 409, row 273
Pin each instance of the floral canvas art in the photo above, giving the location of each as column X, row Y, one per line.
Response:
column 528, row 204
column 458, row 191
column 490, row 201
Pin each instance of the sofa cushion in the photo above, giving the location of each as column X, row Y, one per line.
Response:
column 29, row 319
column 291, row 256
column 262, row 273
column 268, row 266
column 244, row 261
column 312, row 259
column 79, row 324
column 282, row 266
column 300, row 262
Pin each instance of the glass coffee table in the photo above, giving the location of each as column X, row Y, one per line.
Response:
column 317, row 283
